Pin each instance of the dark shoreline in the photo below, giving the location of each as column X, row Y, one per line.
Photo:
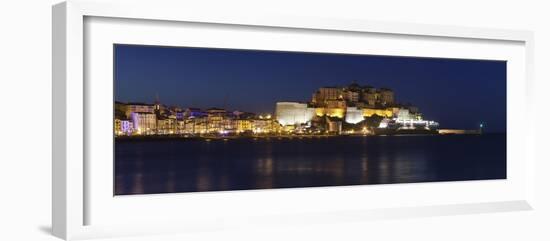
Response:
column 182, row 137
column 265, row 137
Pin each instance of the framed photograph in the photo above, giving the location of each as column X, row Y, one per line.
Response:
column 205, row 122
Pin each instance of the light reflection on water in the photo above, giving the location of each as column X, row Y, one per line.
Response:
column 162, row 166
column 264, row 171
column 203, row 179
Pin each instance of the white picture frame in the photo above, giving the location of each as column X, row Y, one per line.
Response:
column 73, row 189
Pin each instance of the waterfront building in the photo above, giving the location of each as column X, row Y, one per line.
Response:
column 145, row 123
column 166, row 125
column 386, row 97
column 229, row 125
column 180, row 126
column 405, row 120
column 407, row 114
column 395, row 110
column 200, row 125
column 334, row 125
column 293, row 113
column 370, row 97
column 336, row 101
column 335, row 108
column 265, row 125
column 117, row 129
column 126, row 127
column 260, row 126
column 138, row 107
column 327, row 93
column 332, row 108
column 215, row 118
column 403, row 115
column 244, row 125
column 193, row 125
column 335, row 104
column 351, row 95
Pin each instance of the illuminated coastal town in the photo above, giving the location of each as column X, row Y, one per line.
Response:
column 193, row 119
column 336, row 110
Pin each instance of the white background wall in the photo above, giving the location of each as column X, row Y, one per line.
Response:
column 25, row 94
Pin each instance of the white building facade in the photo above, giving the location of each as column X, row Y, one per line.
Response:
column 144, row 123
column 293, row 113
column 354, row 115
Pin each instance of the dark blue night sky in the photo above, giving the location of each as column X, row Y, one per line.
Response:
column 456, row 93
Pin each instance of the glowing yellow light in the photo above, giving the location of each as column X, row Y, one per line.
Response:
column 320, row 111
column 368, row 112
column 335, row 112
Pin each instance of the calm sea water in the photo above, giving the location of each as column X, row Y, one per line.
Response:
column 165, row 166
